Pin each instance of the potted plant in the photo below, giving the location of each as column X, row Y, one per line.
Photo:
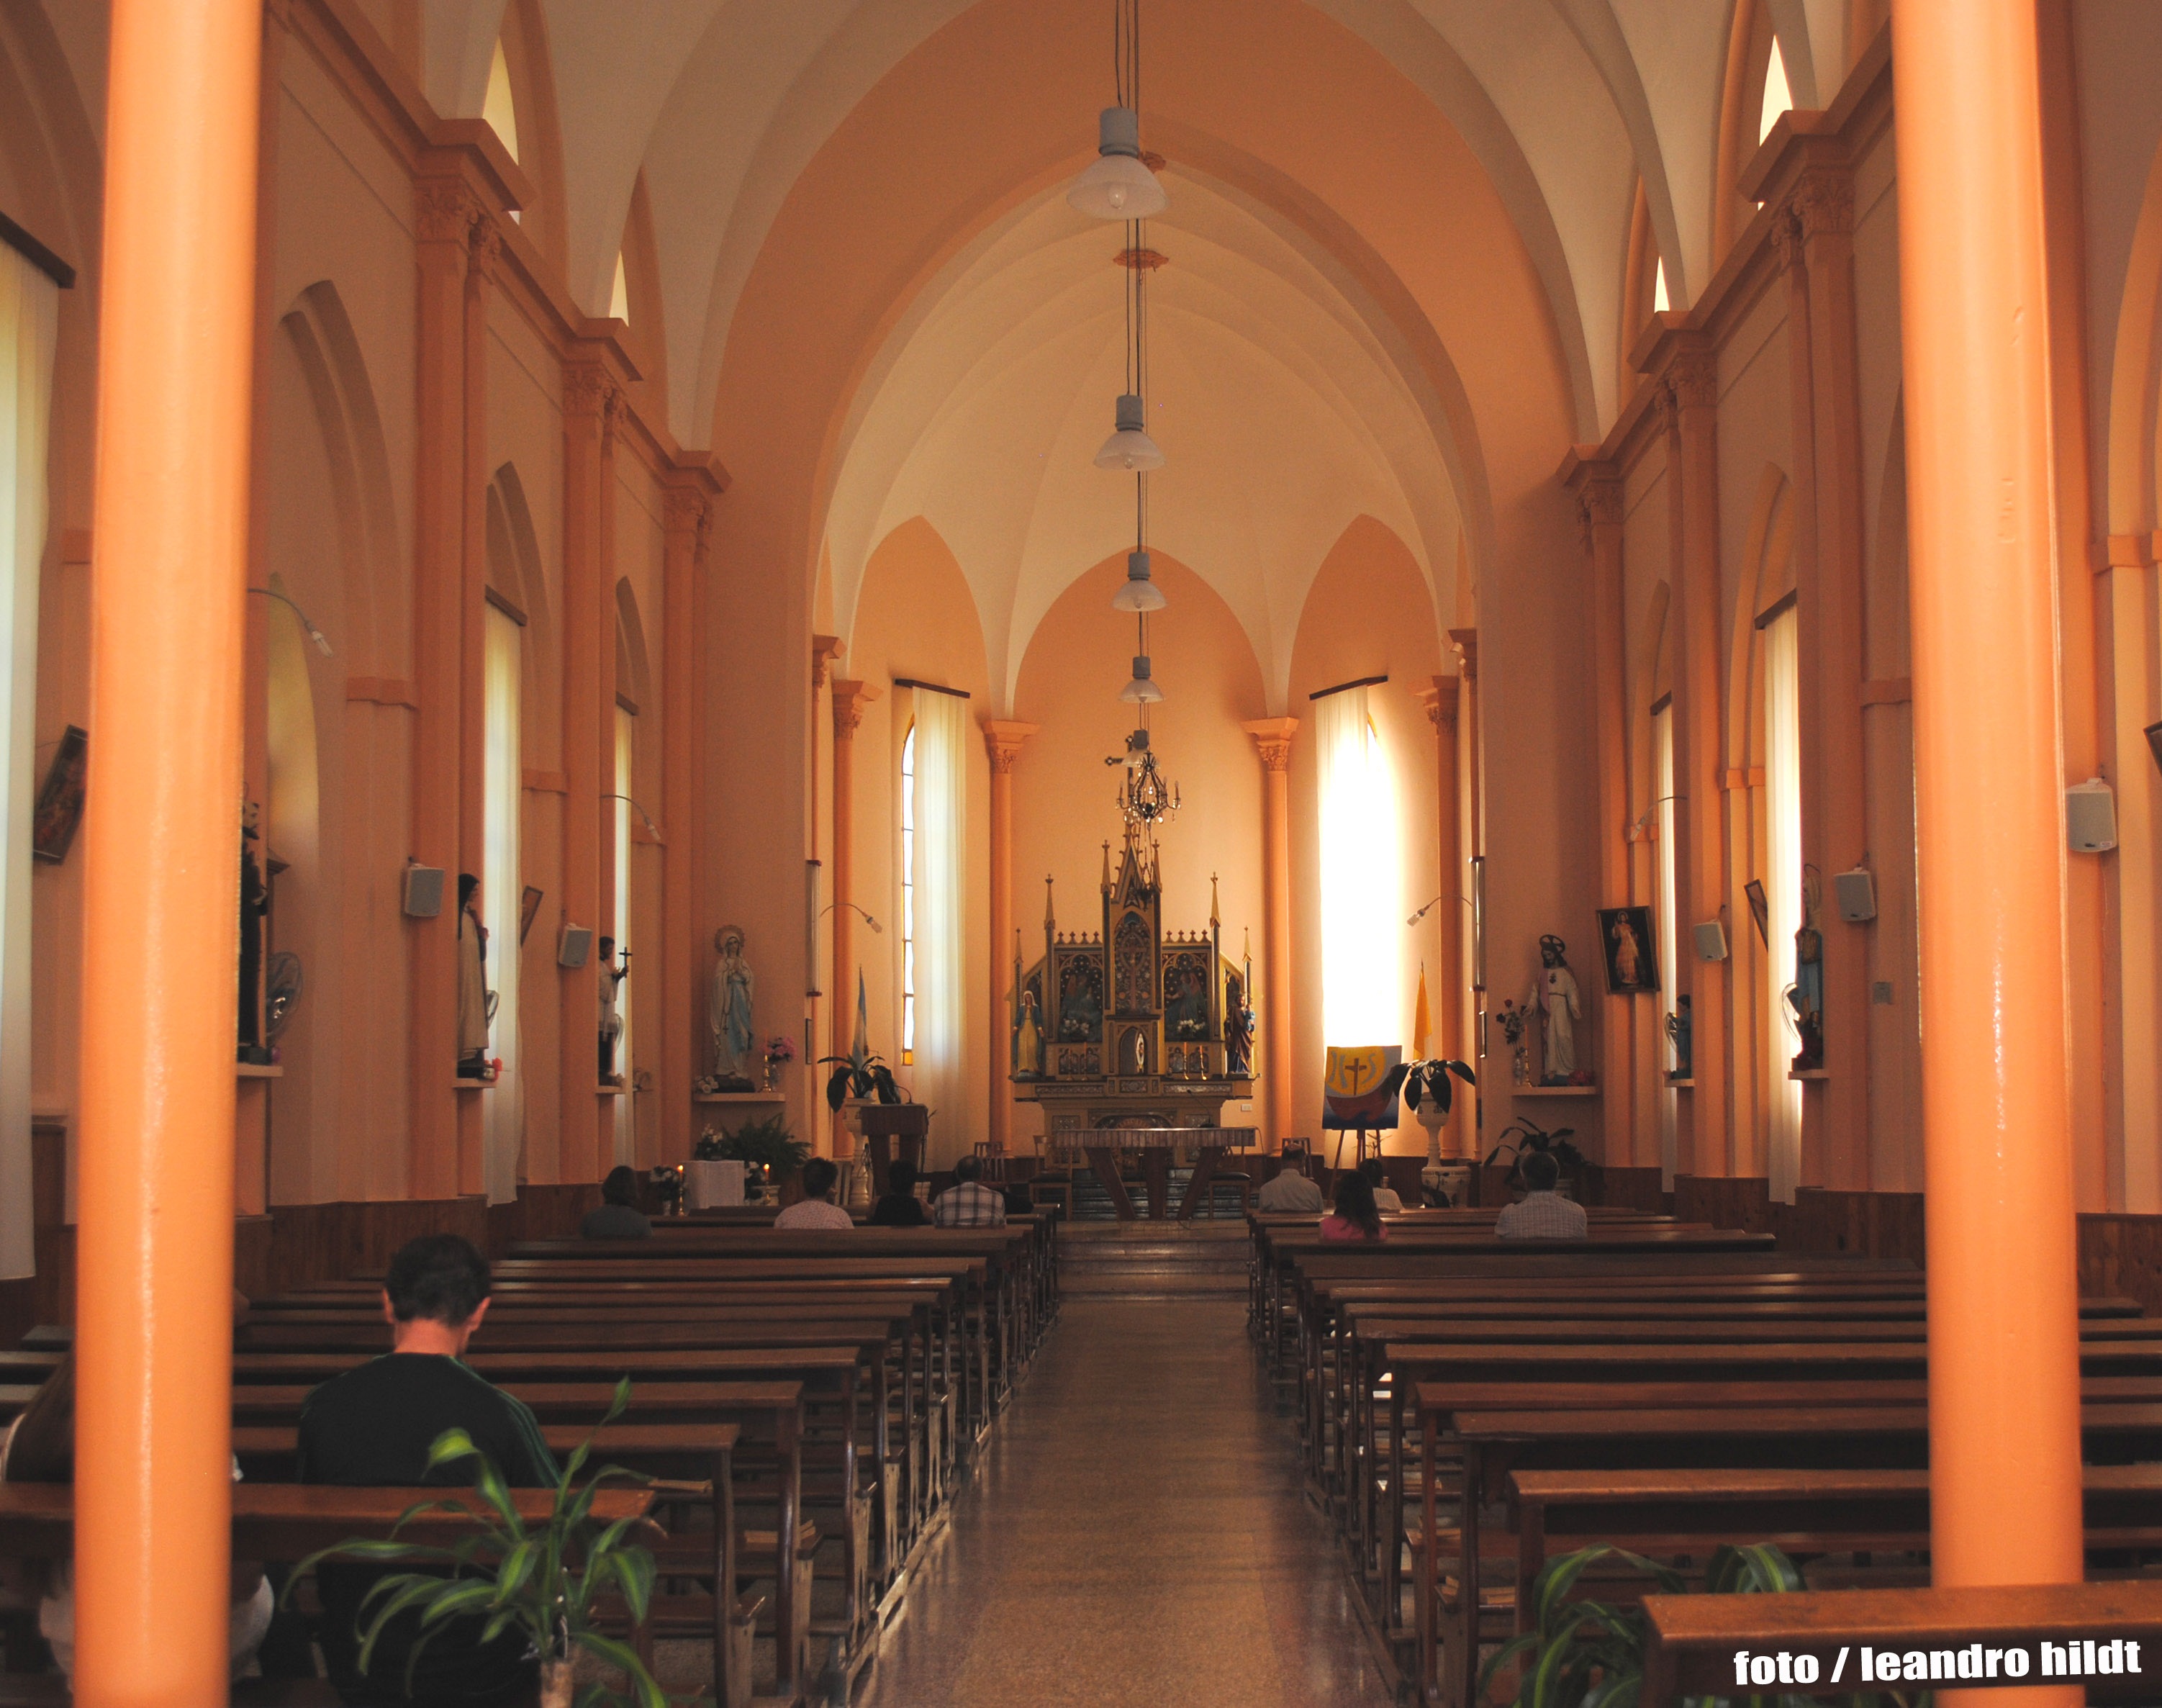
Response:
column 1591, row 1654
column 758, row 1144
column 544, row 1580
column 1523, row 1136
column 1428, row 1094
column 865, row 1080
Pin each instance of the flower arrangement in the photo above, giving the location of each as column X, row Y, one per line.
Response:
column 780, row 1047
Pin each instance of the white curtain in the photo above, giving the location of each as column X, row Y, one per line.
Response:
column 942, row 820
column 30, row 328
column 1668, row 930
column 1783, row 885
column 1362, row 915
column 503, row 787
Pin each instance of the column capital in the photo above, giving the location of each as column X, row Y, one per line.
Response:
column 444, row 209
column 1003, row 740
column 1272, row 741
column 1693, row 378
column 685, row 510
column 849, row 699
column 587, row 390
column 826, row 650
column 1440, row 702
column 1466, row 643
column 484, row 238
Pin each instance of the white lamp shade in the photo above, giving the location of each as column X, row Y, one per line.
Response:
column 1139, row 593
column 1129, row 449
column 1142, row 689
column 1118, row 184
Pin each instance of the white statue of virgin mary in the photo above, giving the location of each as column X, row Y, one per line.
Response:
column 729, row 1007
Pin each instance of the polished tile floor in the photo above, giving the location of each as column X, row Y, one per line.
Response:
column 1136, row 1535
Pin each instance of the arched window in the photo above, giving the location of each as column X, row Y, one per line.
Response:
column 1643, row 284
column 1669, row 920
column 619, row 294
column 1778, row 98
column 1783, row 887
column 908, row 897
column 626, row 727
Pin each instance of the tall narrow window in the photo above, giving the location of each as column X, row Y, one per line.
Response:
column 497, row 107
column 619, row 294
column 626, row 1107
column 937, row 820
column 29, row 327
column 1778, row 98
column 1668, row 928
column 503, row 796
column 1783, row 887
column 1659, row 303
column 1362, row 996
column 908, row 897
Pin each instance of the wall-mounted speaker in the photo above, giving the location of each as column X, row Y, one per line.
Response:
column 1855, row 893
column 2091, row 816
column 424, row 891
column 1711, row 941
column 576, row 945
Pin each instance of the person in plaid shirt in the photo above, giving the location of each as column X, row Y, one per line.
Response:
column 969, row 1203
column 1542, row 1213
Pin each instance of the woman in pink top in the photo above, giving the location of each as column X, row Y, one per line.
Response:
column 1357, row 1217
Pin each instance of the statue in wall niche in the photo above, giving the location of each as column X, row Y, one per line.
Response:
column 614, row 970
column 1238, row 1029
column 254, row 903
column 1554, row 998
column 1678, row 1035
column 472, row 982
column 1028, row 1037
column 1806, row 996
column 728, row 1011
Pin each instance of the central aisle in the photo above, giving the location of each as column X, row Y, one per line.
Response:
column 1136, row 1535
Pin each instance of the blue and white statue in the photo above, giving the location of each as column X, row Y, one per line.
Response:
column 728, row 1007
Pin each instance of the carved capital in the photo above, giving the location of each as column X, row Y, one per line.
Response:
column 1787, row 239
column 587, row 390
column 1272, row 741
column 444, row 209
column 1598, row 504
column 1003, row 741
column 824, row 650
column 683, row 510
column 1440, row 702
column 1823, row 200
column 486, row 240
column 1693, row 379
column 615, row 413
column 849, row 699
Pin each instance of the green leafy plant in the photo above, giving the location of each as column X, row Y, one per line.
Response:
column 766, row 1144
column 1591, row 1654
column 869, row 1077
column 1519, row 1138
column 543, row 1579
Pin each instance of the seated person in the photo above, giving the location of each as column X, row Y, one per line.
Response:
column 900, row 1207
column 1291, row 1192
column 373, row 1426
column 1355, row 1218
column 39, row 1448
column 1542, row 1213
column 1385, row 1199
column 969, row 1203
column 816, row 1208
column 617, row 1217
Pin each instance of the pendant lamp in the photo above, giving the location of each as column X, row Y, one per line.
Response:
column 1140, row 593
column 1142, row 690
column 1129, row 449
column 1119, row 184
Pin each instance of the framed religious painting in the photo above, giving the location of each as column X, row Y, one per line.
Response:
column 1633, row 963
column 61, row 797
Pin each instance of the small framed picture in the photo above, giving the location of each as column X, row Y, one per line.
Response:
column 529, row 905
column 1633, row 960
column 1760, row 909
column 60, row 797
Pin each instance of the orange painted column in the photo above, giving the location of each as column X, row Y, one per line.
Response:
column 2004, row 1401
column 1003, row 741
column 446, row 209
column 485, row 245
column 849, row 699
column 1467, row 1115
column 1819, row 245
column 1598, row 488
column 162, row 855
column 1446, row 990
column 587, row 390
column 687, row 515
column 1272, row 741
column 1691, row 381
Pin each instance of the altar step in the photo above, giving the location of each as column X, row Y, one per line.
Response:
column 1145, row 1259
column 1092, row 1204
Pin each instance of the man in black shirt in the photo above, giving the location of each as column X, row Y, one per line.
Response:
column 374, row 1426
column 900, row 1207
